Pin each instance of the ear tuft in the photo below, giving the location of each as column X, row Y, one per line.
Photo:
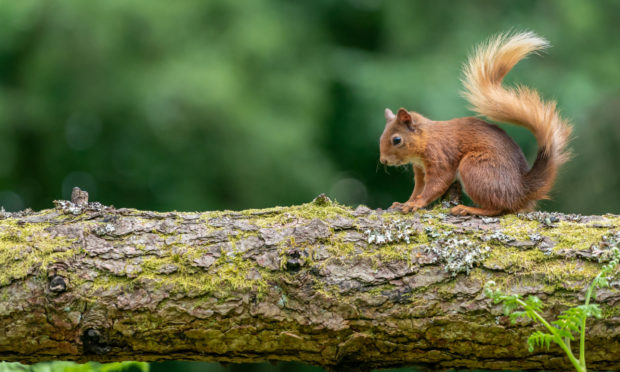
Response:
column 389, row 115
column 404, row 116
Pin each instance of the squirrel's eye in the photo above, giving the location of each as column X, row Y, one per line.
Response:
column 396, row 140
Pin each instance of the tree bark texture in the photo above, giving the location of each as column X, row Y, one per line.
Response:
column 320, row 283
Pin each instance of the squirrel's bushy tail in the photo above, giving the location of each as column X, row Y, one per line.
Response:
column 520, row 105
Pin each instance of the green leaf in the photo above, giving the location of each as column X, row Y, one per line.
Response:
column 516, row 315
column 61, row 366
column 535, row 303
column 538, row 339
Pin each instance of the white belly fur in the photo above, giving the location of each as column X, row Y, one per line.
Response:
column 417, row 162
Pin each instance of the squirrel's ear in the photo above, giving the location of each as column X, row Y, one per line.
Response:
column 389, row 115
column 404, row 116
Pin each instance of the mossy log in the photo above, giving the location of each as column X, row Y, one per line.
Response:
column 319, row 283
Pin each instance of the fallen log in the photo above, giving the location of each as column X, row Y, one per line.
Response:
column 319, row 283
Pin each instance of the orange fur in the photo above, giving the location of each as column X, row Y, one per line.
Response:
column 490, row 165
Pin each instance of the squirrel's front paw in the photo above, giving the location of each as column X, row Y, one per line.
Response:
column 410, row 206
column 395, row 205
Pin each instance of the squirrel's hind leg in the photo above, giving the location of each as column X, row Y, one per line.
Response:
column 463, row 210
column 493, row 182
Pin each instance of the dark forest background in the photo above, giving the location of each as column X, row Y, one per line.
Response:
column 200, row 105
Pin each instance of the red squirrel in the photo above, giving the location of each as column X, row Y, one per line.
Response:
column 488, row 163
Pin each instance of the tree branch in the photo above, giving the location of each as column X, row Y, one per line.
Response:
column 318, row 283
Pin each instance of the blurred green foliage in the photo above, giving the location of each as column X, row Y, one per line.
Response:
column 200, row 105
column 75, row 367
column 216, row 104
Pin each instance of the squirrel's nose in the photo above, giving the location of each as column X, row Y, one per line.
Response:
column 383, row 160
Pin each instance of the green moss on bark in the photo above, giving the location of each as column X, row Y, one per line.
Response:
column 24, row 247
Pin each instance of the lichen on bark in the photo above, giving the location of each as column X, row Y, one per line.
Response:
column 319, row 283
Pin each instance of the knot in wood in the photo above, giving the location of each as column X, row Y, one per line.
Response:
column 295, row 259
column 93, row 342
column 57, row 284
